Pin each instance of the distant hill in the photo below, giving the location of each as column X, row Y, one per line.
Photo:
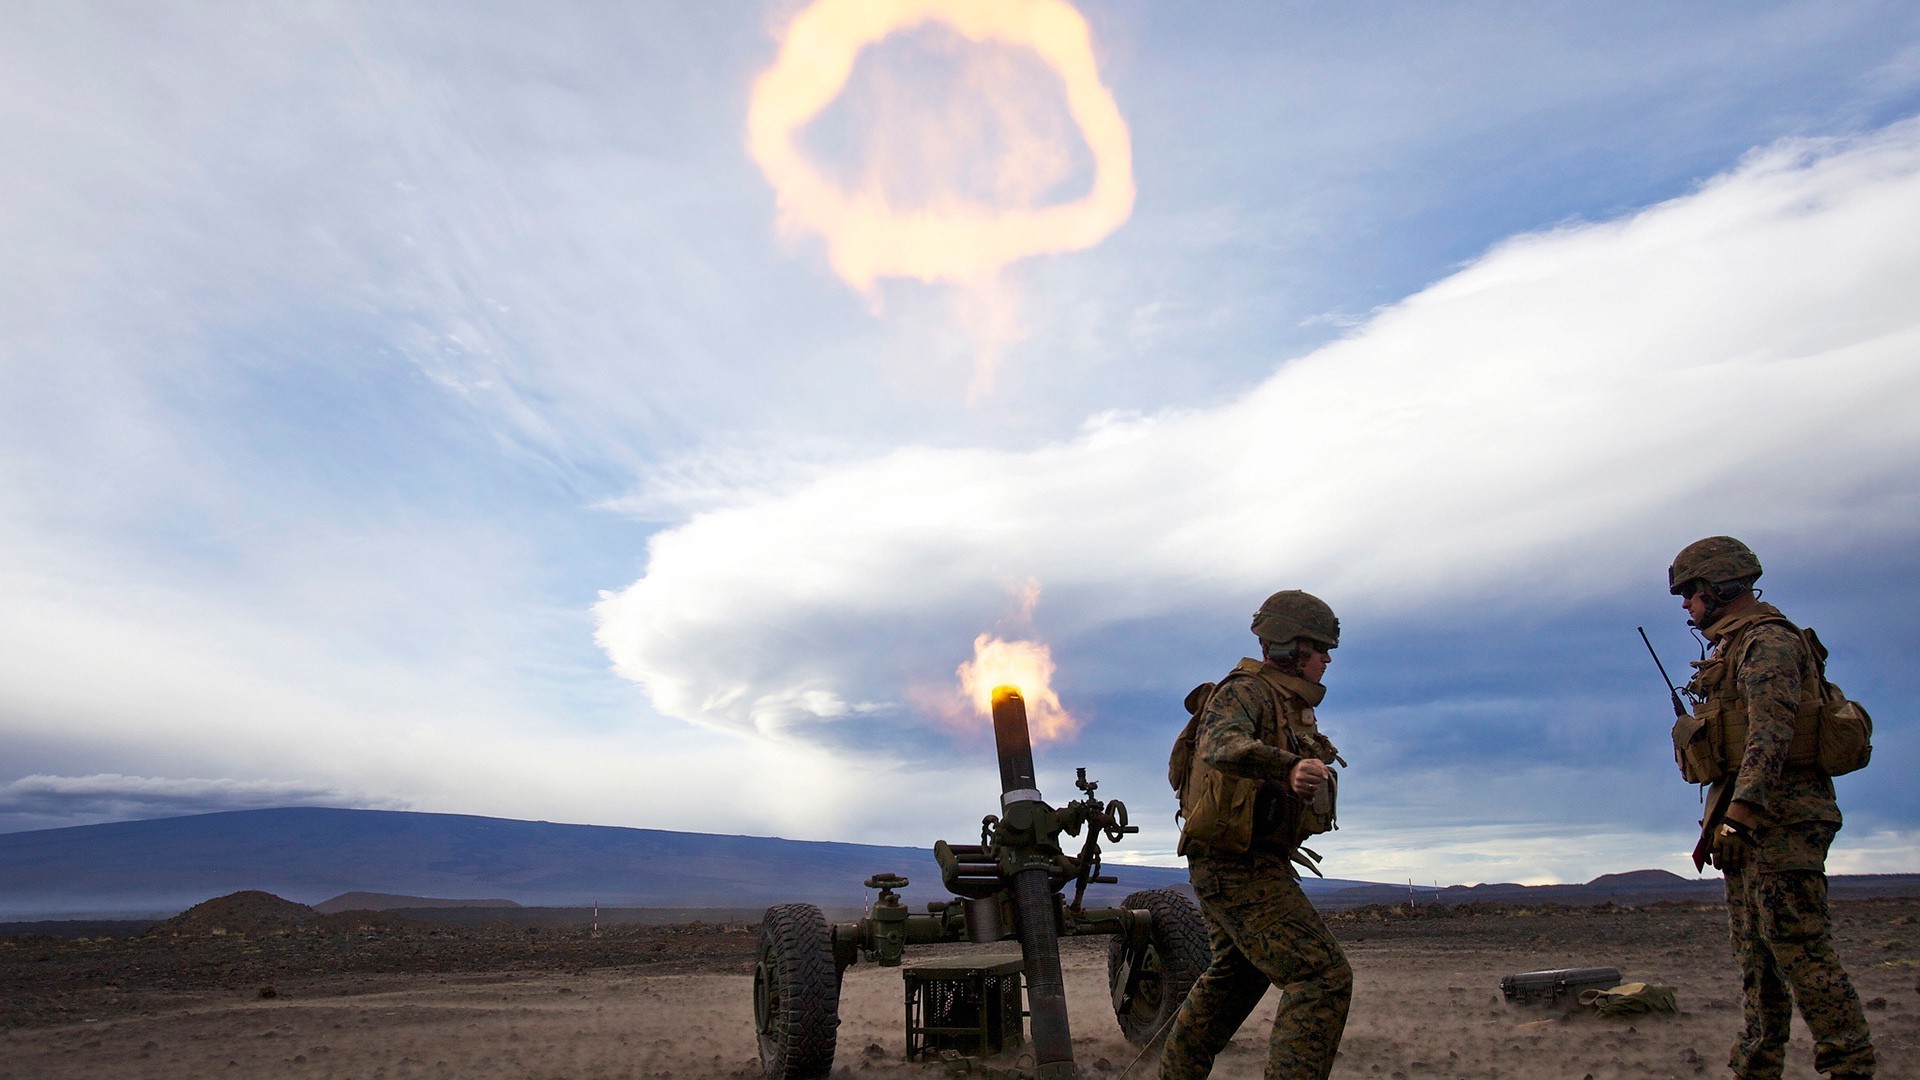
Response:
column 310, row 854
column 249, row 912
column 373, row 901
column 337, row 860
column 1635, row 887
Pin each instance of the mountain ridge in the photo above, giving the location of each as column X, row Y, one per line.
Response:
column 311, row 854
column 318, row 855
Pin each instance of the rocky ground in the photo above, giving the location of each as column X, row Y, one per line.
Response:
column 249, row 987
column 257, row 945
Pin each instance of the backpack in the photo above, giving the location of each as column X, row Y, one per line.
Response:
column 1845, row 739
column 1180, row 762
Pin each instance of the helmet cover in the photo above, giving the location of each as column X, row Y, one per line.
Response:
column 1291, row 614
column 1712, row 560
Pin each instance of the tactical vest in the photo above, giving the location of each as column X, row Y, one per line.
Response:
column 1234, row 814
column 1710, row 744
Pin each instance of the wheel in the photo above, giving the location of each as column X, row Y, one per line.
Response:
column 1176, row 953
column 796, row 993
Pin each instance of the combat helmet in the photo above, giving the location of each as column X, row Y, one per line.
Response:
column 1290, row 614
column 1713, row 560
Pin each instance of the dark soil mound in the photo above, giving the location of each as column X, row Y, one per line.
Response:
column 249, row 912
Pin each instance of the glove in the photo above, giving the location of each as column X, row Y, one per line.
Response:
column 1732, row 846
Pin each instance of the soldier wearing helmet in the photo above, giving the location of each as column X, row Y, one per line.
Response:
column 1771, row 841
column 1260, row 782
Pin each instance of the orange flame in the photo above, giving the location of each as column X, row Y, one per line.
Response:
column 1026, row 665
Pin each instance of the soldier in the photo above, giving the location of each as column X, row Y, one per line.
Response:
column 1259, row 784
column 1780, row 815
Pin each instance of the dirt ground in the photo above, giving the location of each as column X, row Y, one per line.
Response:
column 390, row 1001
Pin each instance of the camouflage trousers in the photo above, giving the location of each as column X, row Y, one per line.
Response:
column 1263, row 933
column 1783, row 938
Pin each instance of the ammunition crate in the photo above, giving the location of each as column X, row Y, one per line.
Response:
column 1561, row 986
column 963, row 1005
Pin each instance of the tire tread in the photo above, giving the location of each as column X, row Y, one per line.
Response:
column 1180, row 938
column 798, row 941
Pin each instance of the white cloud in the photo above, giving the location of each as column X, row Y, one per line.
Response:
column 1888, row 851
column 1741, row 359
column 69, row 800
column 189, row 701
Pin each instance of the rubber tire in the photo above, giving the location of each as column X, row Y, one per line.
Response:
column 796, row 993
column 1177, row 953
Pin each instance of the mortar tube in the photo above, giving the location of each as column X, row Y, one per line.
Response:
column 1033, row 897
column 1011, row 741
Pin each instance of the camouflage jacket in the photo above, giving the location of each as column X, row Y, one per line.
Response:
column 1770, row 663
column 1241, row 713
column 1254, row 729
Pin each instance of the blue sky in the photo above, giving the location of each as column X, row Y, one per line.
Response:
column 421, row 406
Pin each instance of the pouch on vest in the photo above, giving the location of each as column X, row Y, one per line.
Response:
column 1280, row 814
column 1317, row 813
column 1220, row 811
column 1699, row 739
column 1277, row 810
column 1694, row 751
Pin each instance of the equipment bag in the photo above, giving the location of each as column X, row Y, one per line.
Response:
column 1556, row 987
column 1631, row 999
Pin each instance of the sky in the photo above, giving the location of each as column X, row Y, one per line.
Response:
column 635, row 414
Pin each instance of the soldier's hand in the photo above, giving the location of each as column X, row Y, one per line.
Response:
column 1732, row 846
column 1306, row 776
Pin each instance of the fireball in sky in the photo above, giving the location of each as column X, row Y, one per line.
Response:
column 948, row 187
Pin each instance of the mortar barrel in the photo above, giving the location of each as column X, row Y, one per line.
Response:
column 1011, row 740
column 1033, row 896
column 1046, row 989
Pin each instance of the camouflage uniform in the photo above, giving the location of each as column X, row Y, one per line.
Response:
column 1777, row 893
column 1264, row 932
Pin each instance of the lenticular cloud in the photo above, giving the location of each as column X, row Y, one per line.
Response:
column 1581, row 389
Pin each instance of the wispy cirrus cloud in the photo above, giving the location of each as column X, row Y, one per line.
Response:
column 42, row 801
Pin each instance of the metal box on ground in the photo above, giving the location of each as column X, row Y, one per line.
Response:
column 968, row 1005
column 1561, row 986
